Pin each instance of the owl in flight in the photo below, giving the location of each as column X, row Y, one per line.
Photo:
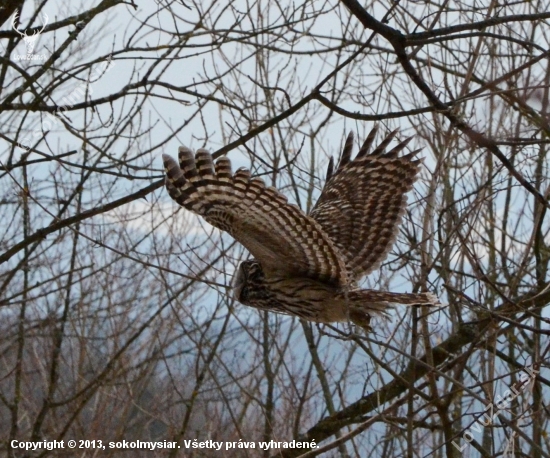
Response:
column 307, row 265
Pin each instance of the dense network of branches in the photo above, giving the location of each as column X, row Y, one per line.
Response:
column 117, row 322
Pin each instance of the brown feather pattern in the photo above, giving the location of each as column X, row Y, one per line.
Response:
column 307, row 265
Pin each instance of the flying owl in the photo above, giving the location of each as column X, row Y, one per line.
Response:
column 307, row 265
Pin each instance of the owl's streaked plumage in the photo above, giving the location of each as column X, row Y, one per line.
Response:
column 307, row 265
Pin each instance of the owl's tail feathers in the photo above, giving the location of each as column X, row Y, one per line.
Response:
column 366, row 302
column 368, row 296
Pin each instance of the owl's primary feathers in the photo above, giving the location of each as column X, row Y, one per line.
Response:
column 307, row 265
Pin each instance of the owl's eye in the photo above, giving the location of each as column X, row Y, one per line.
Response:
column 255, row 271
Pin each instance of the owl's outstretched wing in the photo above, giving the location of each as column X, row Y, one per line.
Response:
column 279, row 235
column 362, row 202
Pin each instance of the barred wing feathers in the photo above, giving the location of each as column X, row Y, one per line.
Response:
column 279, row 235
column 363, row 201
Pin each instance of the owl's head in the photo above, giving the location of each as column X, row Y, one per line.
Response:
column 248, row 279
